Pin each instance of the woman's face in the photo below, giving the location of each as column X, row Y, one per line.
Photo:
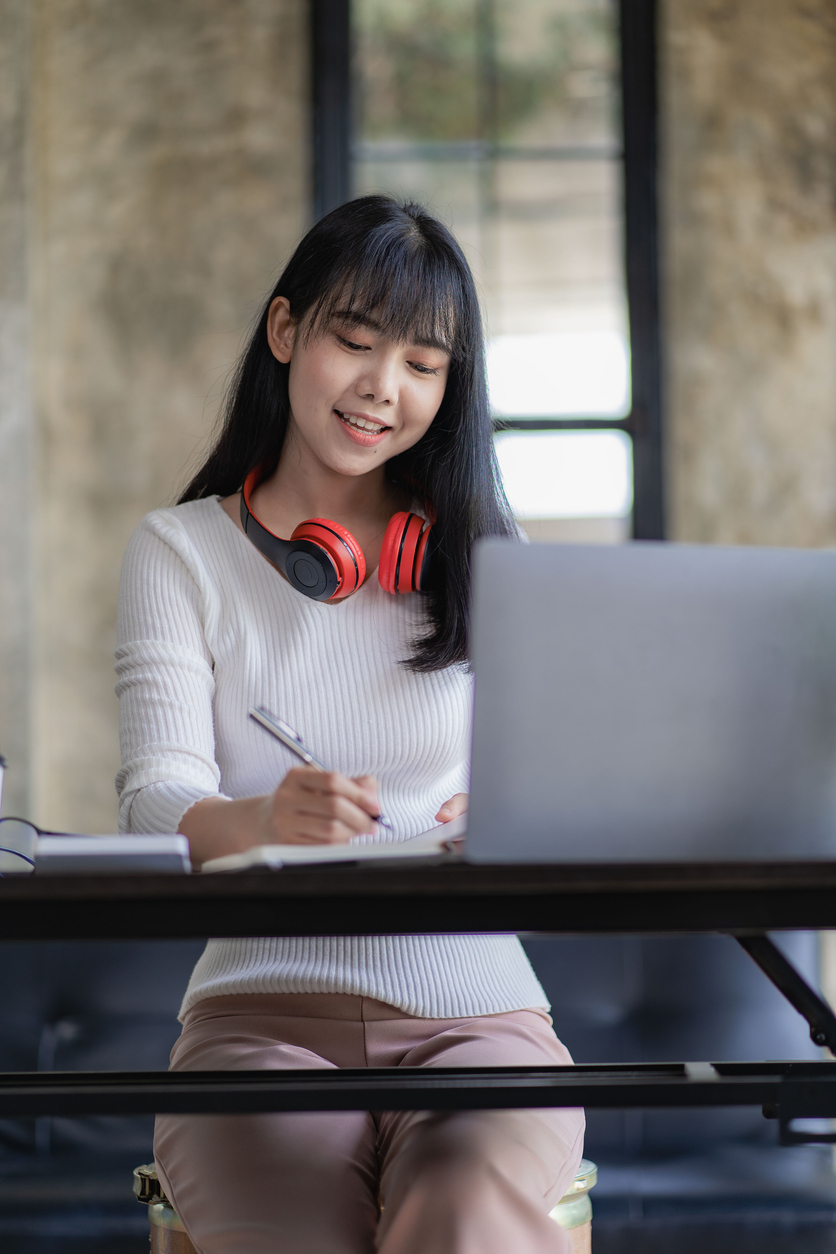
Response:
column 356, row 397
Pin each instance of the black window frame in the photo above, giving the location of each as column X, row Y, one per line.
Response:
column 331, row 146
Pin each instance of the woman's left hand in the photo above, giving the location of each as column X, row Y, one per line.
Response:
column 454, row 807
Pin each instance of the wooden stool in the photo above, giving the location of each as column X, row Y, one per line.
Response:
column 168, row 1236
column 574, row 1211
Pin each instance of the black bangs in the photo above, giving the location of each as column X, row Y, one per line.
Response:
column 401, row 286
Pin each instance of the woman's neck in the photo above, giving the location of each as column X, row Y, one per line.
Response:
column 296, row 491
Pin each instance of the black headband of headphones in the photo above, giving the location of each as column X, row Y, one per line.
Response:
column 300, row 560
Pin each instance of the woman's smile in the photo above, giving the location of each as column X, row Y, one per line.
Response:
column 362, row 428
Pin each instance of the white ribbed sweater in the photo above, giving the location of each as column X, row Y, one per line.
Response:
column 207, row 628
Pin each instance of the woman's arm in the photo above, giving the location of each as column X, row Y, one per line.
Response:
column 309, row 807
column 166, row 681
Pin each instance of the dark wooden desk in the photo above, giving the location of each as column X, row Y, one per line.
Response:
column 744, row 900
column 362, row 900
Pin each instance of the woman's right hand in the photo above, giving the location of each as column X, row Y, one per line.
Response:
column 309, row 807
column 312, row 807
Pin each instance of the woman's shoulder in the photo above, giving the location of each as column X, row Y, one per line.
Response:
column 193, row 522
column 197, row 534
column 191, row 516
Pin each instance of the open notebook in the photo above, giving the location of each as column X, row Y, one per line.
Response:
column 446, row 839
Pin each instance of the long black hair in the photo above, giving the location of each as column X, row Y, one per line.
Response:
column 376, row 258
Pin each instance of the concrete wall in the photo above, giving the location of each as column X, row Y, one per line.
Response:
column 749, row 260
column 168, row 181
column 749, row 198
column 15, row 408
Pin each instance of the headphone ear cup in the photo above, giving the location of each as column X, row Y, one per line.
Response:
column 342, row 549
column 389, row 551
column 402, row 553
column 423, row 559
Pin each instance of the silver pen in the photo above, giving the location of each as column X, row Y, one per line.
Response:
column 293, row 741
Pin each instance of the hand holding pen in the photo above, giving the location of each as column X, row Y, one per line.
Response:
column 356, row 791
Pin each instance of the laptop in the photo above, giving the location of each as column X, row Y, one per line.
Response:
column 653, row 702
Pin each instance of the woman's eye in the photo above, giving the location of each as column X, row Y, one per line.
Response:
column 350, row 344
column 422, row 369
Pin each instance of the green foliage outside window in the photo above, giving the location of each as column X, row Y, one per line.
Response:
column 506, row 71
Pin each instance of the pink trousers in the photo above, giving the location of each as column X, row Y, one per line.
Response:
column 463, row 1182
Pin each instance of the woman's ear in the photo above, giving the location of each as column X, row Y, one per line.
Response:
column 281, row 329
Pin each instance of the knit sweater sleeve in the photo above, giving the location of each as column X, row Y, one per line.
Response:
column 166, row 680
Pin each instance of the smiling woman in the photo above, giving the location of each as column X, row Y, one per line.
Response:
column 358, row 427
column 395, row 275
column 336, row 450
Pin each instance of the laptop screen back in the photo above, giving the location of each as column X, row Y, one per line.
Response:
column 653, row 702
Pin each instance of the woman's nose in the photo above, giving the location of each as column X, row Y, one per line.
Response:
column 378, row 383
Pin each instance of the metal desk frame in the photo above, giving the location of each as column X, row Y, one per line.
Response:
column 743, row 900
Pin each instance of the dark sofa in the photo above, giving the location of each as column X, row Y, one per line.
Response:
column 668, row 1179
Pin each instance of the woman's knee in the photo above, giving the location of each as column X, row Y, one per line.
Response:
column 538, row 1150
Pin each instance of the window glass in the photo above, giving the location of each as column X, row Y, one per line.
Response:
column 503, row 116
column 559, row 475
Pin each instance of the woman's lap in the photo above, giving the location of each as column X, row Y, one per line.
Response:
column 458, row 1181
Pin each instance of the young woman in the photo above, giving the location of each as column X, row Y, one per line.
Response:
column 359, row 410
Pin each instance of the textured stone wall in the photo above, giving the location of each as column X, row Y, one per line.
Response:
column 15, row 409
column 749, row 195
column 168, row 181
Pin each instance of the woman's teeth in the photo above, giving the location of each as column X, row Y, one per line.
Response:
column 362, row 424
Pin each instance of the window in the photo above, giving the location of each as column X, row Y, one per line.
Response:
column 528, row 125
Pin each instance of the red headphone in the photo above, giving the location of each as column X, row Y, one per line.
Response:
column 323, row 561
